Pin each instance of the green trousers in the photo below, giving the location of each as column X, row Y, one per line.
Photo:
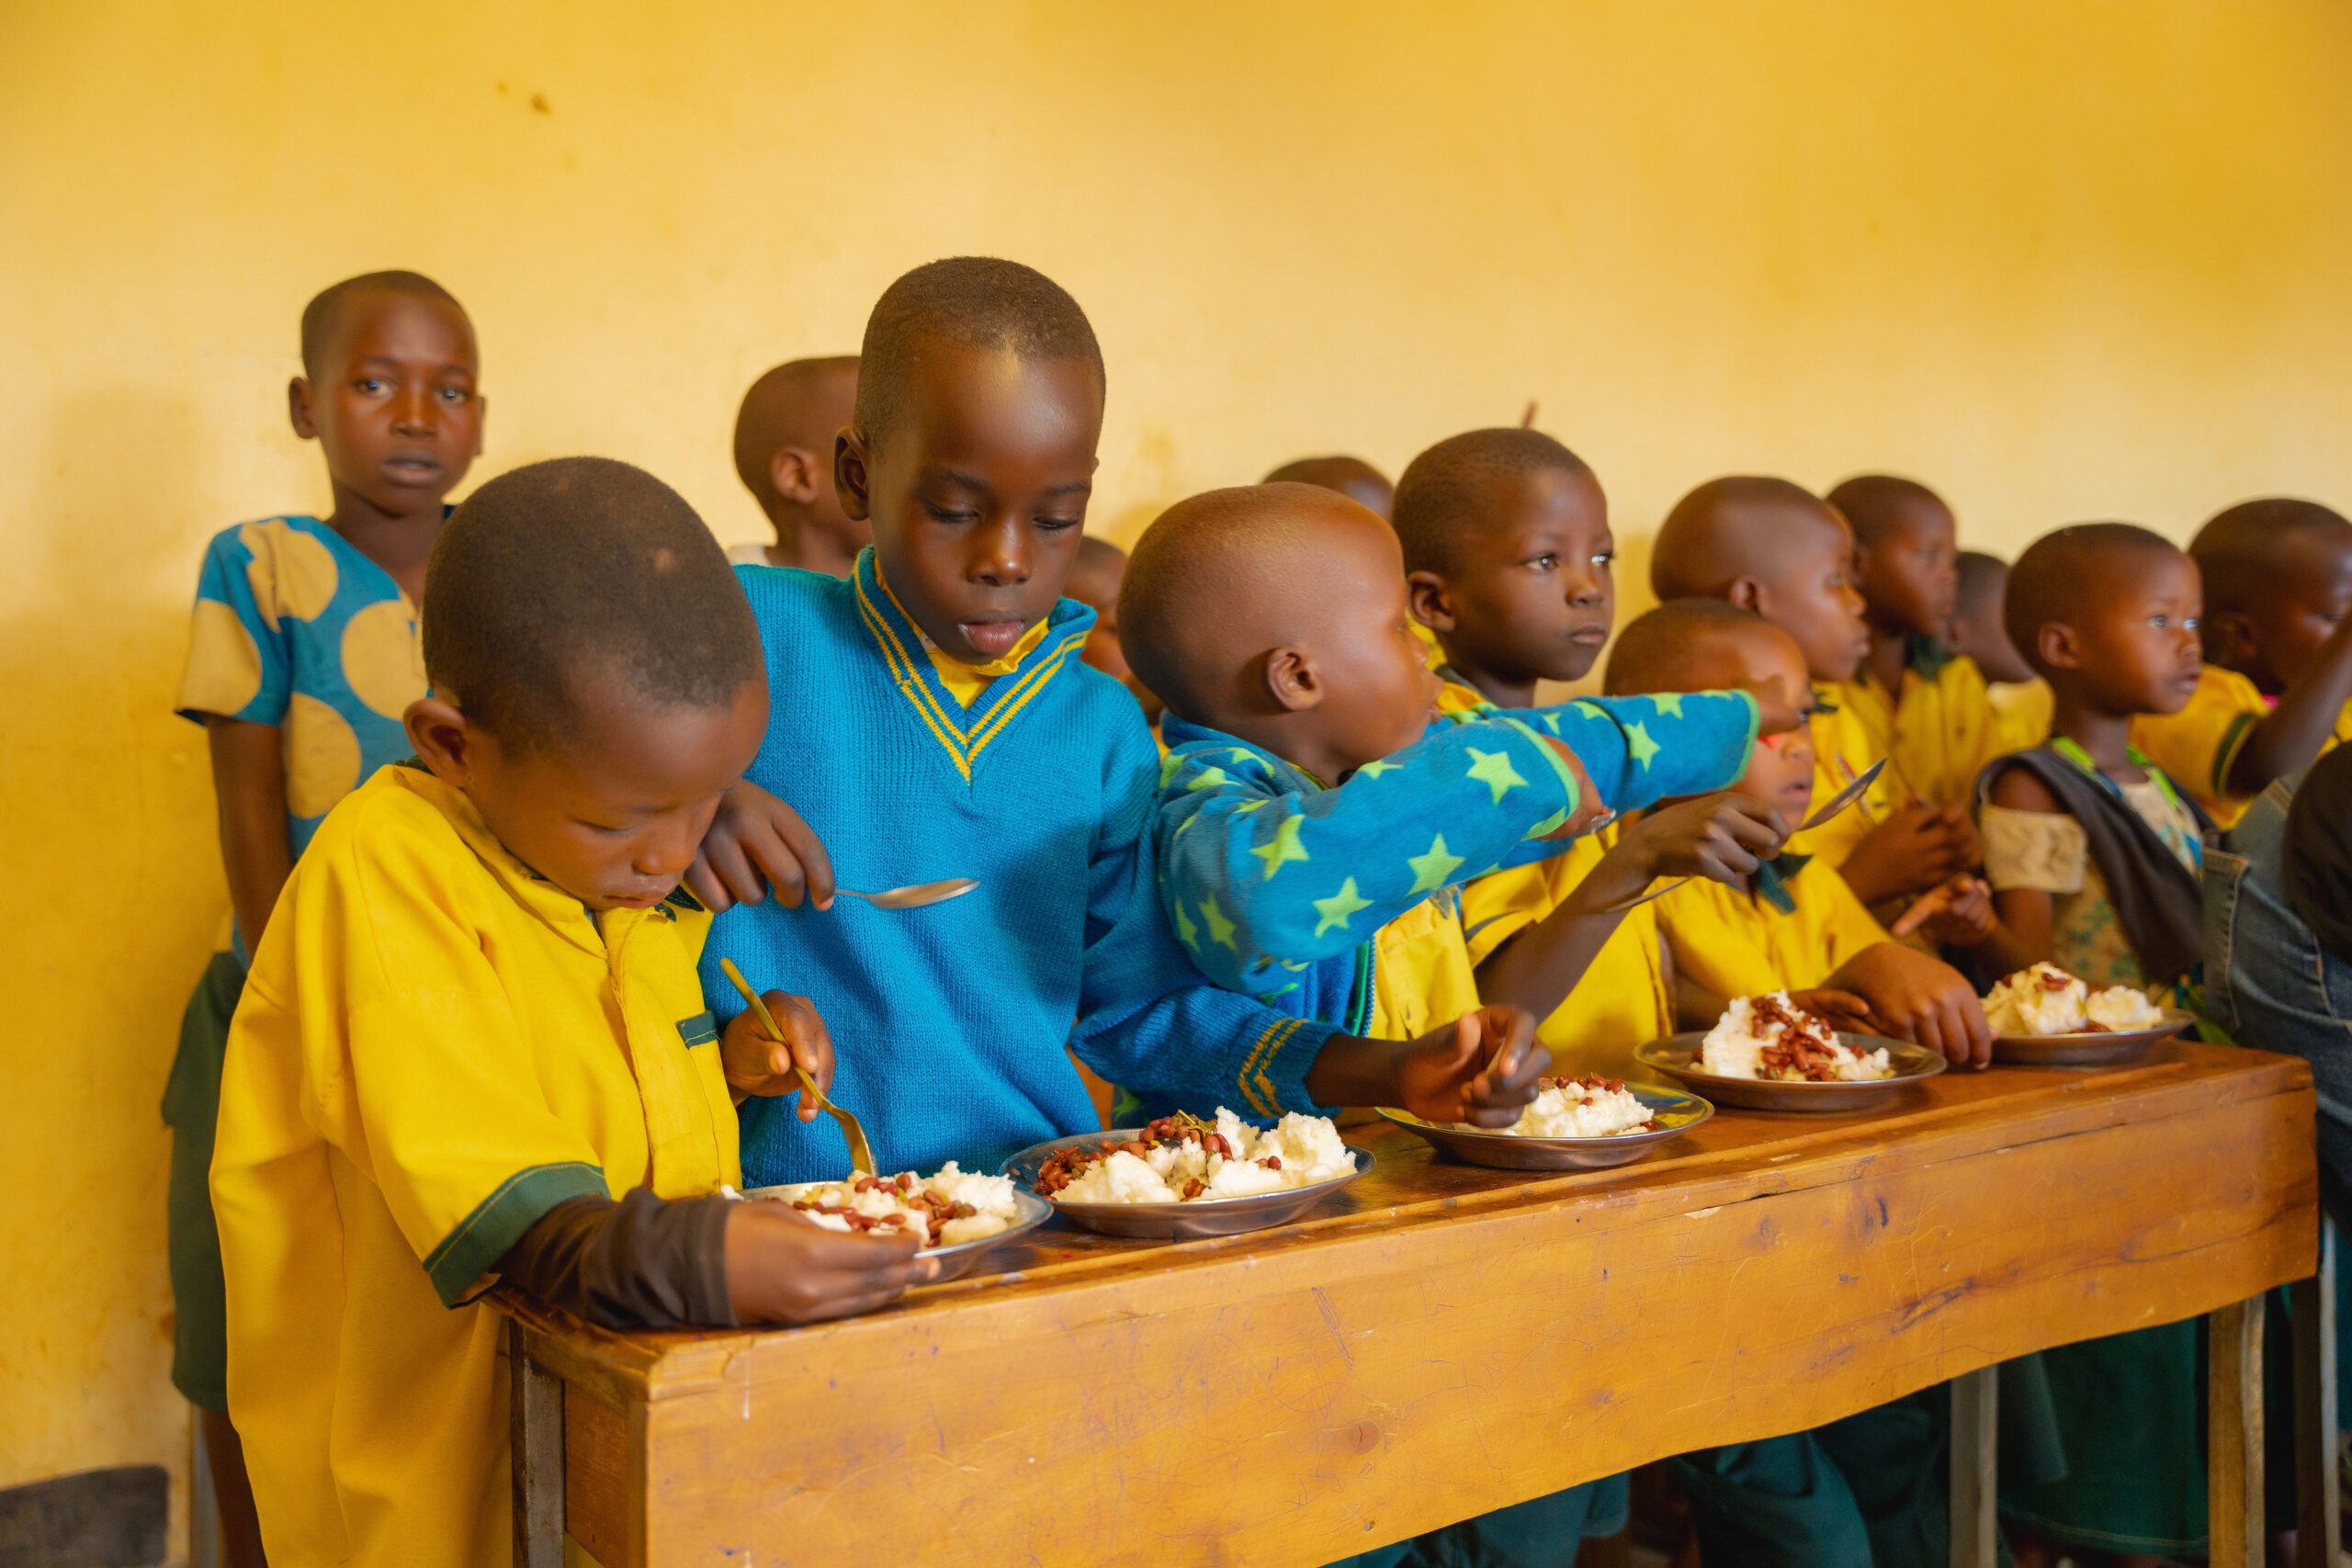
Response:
column 1542, row 1533
column 191, row 1107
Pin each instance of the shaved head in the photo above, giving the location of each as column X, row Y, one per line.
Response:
column 1729, row 529
column 2061, row 576
column 1351, row 476
column 802, row 403
column 2250, row 552
column 1452, row 490
column 323, row 316
column 1876, row 505
column 1678, row 647
column 1220, row 578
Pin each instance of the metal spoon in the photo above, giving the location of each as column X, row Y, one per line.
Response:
column 1833, row 807
column 861, row 1153
column 915, row 896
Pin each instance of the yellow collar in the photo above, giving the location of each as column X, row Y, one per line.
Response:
column 966, row 680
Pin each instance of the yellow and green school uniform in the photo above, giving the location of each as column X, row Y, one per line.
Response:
column 1622, row 1000
column 1739, row 943
column 1938, row 732
column 435, row 1048
column 2197, row 746
column 2021, row 712
column 1842, row 751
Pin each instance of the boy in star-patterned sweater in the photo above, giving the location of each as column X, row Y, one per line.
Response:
column 1313, row 824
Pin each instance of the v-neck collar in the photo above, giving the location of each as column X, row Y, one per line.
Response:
column 963, row 731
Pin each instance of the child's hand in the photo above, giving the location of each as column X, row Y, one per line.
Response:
column 1957, row 914
column 1842, row 1011
column 1922, row 999
column 1481, row 1069
column 757, row 1062
column 756, row 842
column 783, row 1268
column 1722, row 837
column 1917, row 847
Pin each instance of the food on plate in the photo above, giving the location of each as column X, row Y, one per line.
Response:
column 1182, row 1160
column 1771, row 1037
column 1587, row 1107
column 2045, row 999
column 954, row 1206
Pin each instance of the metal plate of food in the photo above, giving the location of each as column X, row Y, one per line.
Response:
column 1029, row 1211
column 1675, row 1057
column 1673, row 1112
column 1184, row 1221
column 2095, row 1048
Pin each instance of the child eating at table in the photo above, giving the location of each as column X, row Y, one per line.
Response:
column 2274, row 691
column 303, row 657
column 1313, row 825
column 1868, row 1488
column 1351, row 476
column 2021, row 699
column 2094, row 855
column 1921, row 705
column 1771, row 546
column 963, row 737
column 783, row 455
column 473, row 1044
column 1510, row 562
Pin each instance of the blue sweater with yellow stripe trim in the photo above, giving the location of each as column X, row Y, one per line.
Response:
column 1277, row 885
column 949, row 1023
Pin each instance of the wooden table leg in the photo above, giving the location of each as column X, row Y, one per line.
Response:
column 2234, row 1436
column 535, row 1426
column 2312, row 1303
column 1975, row 1469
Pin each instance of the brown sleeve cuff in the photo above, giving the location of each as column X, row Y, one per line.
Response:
column 637, row 1263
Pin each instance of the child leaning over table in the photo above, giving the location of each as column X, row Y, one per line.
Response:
column 302, row 656
column 1312, row 825
column 473, row 1043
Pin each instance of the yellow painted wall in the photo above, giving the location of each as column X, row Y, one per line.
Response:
column 2061, row 260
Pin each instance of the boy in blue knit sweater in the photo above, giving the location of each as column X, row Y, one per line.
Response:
column 1314, row 824
column 932, row 719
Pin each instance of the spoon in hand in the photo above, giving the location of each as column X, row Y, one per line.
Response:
column 914, row 896
column 1834, row 804
column 861, row 1153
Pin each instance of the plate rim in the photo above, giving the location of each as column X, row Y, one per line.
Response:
column 1025, row 1221
column 1364, row 1157
column 1502, row 1135
column 1936, row 1064
column 2178, row 1022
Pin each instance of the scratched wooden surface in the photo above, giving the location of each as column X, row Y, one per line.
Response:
column 1447, row 1339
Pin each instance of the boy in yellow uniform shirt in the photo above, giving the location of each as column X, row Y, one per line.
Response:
column 1510, row 564
column 2020, row 698
column 1773, row 548
column 1924, row 706
column 2277, row 640
column 472, row 1044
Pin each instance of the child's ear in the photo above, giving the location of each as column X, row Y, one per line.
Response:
column 298, row 407
column 849, row 473
column 2056, row 646
column 1292, row 681
column 1432, row 605
column 442, row 739
column 1746, row 594
column 794, row 472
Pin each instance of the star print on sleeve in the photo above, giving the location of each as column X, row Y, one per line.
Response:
column 1431, row 869
column 1284, row 848
column 1493, row 769
column 1640, row 747
column 1340, row 908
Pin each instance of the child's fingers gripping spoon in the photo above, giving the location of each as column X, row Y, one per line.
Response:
column 861, row 1153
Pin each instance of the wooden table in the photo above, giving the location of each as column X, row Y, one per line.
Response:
column 1447, row 1339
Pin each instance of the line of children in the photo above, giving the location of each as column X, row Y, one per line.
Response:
column 2021, row 699
column 1351, row 476
column 483, row 1039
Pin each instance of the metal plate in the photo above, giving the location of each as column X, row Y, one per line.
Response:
column 1172, row 1221
column 2107, row 1049
column 1508, row 1151
column 1673, row 1056
column 1029, row 1211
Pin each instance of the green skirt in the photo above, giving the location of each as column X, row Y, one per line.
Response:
column 191, row 1106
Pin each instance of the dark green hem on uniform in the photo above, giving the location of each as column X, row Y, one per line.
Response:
column 192, row 1108
column 499, row 1221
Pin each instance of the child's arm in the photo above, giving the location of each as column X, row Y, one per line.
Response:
column 1255, row 872
column 2030, row 860
column 1721, row 837
column 249, row 786
column 755, row 842
column 1917, row 997
column 2291, row 734
column 1916, row 848
column 1640, row 750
